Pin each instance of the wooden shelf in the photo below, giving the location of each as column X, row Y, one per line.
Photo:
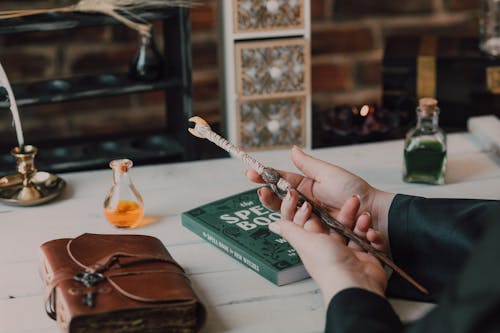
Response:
column 171, row 144
column 68, row 89
column 96, row 154
column 62, row 21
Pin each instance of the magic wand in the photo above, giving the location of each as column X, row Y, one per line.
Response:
column 281, row 186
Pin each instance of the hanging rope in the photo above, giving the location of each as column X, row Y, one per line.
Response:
column 121, row 10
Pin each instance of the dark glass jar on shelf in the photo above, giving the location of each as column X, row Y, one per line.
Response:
column 147, row 64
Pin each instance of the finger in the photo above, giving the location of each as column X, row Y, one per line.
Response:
column 303, row 214
column 361, row 227
column 377, row 240
column 319, row 170
column 253, row 176
column 347, row 216
column 293, row 178
column 335, row 235
column 308, row 165
column 297, row 236
column 315, row 225
column 269, row 199
column 289, row 205
column 348, row 212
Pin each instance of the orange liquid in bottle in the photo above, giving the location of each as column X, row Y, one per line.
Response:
column 127, row 214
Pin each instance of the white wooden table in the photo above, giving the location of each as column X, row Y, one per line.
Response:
column 238, row 299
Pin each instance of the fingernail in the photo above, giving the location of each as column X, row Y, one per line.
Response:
column 357, row 196
column 259, row 191
column 275, row 227
column 304, row 206
column 367, row 213
column 288, row 196
column 245, row 172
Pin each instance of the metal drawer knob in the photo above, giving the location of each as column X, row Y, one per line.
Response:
column 272, row 6
column 273, row 125
column 275, row 72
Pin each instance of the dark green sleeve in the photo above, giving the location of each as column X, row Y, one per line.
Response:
column 358, row 310
column 470, row 303
column 452, row 247
column 432, row 238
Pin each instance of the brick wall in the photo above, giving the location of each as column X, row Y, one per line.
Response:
column 348, row 40
column 347, row 48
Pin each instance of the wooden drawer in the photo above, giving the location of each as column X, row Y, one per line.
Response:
column 272, row 68
column 262, row 15
column 271, row 123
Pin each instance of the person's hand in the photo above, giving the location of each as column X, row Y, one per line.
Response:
column 361, row 224
column 331, row 186
column 332, row 263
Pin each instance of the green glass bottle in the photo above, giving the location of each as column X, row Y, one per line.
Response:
column 425, row 147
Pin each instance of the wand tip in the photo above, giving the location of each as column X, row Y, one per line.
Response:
column 200, row 125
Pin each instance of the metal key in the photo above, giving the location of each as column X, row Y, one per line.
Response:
column 88, row 280
column 88, row 299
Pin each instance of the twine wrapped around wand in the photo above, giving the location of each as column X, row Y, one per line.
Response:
column 121, row 10
column 281, row 186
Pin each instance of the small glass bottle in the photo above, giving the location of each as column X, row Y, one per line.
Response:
column 425, row 147
column 147, row 64
column 123, row 205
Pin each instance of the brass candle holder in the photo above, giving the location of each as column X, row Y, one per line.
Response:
column 29, row 187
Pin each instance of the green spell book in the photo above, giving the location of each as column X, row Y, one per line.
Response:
column 238, row 225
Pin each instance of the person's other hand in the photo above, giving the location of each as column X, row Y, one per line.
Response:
column 331, row 186
column 361, row 224
column 332, row 263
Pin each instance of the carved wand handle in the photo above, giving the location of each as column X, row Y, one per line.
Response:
column 281, row 186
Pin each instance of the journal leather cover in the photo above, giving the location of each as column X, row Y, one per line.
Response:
column 117, row 283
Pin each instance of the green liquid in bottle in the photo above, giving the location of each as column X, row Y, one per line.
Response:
column 425, row 163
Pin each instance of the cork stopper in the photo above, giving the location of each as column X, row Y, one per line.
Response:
column 121, row 165
column 428, row 105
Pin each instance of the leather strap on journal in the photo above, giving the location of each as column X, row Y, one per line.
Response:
column 131, row 281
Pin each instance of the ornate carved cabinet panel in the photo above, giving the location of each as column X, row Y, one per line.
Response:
column 273, row 68
column 266, row 72
column 271, row 123
column 268, row 15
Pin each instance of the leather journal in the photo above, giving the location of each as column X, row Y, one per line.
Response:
column 117, row 283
